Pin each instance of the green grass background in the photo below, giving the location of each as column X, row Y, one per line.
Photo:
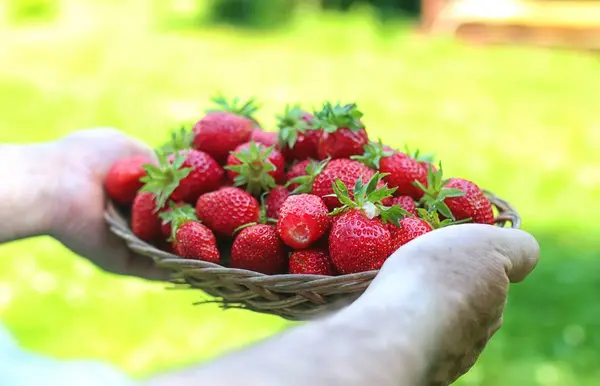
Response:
column 522, row 122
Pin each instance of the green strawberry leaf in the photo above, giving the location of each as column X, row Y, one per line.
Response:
column 330, row 117
column 235, row 106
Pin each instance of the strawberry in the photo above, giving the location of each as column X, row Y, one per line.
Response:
column 405, row 202
column 145, row 222
column 245, row 109
column 425, row 160
column 311, row 262
column 343, row 133
column 122, row 181
column 456, row 199
column 297, row 139
column 267, row 138
column 193, row 240
column 258, row 248
column 275, row 200
column 409, row 229
column 175, row 210
column 303, row 219
column 183, row 176
column 321, row 176
column 255, row 167
column 226, row 209
column 221, row 131
column 297, row 170
column 360, row 239
column 402, row 170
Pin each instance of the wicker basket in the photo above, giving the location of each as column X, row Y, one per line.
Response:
column 293, row 297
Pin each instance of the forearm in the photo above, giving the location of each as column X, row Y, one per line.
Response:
column 27, row 190
column 387, row 338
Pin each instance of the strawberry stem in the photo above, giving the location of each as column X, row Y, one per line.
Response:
column 181, row 139
column 373, row 153
column 177, row 216
column 290, row 124
column 236, row 106
column 253, row 172
column 436, row 192
column 162, row 180
column 367, row 198
column 313, row 169
column 331, row 117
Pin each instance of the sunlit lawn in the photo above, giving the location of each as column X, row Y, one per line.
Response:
column 524, row 123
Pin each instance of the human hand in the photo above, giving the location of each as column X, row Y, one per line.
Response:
column 449, row 288
column 82, row 160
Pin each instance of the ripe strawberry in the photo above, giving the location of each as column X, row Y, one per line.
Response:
column 297, row 170
column 405, row 202
column 221, row 131
column 267, row 138
column 226, row 209
column 145, row 222
column 175, row 210
column 184, row 176
column 409, row 229
column 257, row 248
column 360, row 239
column 322, row 176
column 122, row 180
column 297, row 139
column 311, row 262
column 456, row 199
column 275, row 200
column 402, row 169
column 303, row 219
column 194, row 240
column 343, row 133
column 255, row 167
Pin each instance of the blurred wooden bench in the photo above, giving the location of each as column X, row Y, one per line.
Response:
column 573, row 24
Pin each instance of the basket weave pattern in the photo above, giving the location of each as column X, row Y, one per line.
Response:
column 293, row 297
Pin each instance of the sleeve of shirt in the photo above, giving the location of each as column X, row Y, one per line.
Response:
column 21, row 368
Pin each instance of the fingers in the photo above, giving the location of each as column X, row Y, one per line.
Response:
column 473, row 245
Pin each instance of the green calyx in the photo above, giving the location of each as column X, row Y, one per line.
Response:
column 305, row 182
column 331, row 117
column 162, row 180
column 367, row 198
column 181, row 139
column 290, row 124
column 436, row 192
column 373, row 154
column 253, row 172
column 177, row 216
column 433, row 218
column 418, row 156
column 236, row 106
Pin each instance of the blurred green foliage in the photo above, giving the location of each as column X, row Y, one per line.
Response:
column 521, row 122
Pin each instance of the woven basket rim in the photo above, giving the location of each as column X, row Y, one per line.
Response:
column 119, row 225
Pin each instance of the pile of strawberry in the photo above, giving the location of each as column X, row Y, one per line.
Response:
column 317, row 197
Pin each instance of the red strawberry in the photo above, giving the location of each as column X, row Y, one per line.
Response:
column 257, row 248
column 226, row 209
column 303, row 219
column 311, row 262
column 297, row 139
column 343, row 132
column 267, row 138
column 297, row 170
column 474, row 204
column 145, row 222
column 403, row 171
column 360, row 239
column 194, row 240
column 122, row 180
column 347, row 171
column 405, row 202
column 409, row 229
column 456, row 199
column 255, row 167
column 221, row 131
column 175, row 210
column 184, row 176
column 275, row 200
